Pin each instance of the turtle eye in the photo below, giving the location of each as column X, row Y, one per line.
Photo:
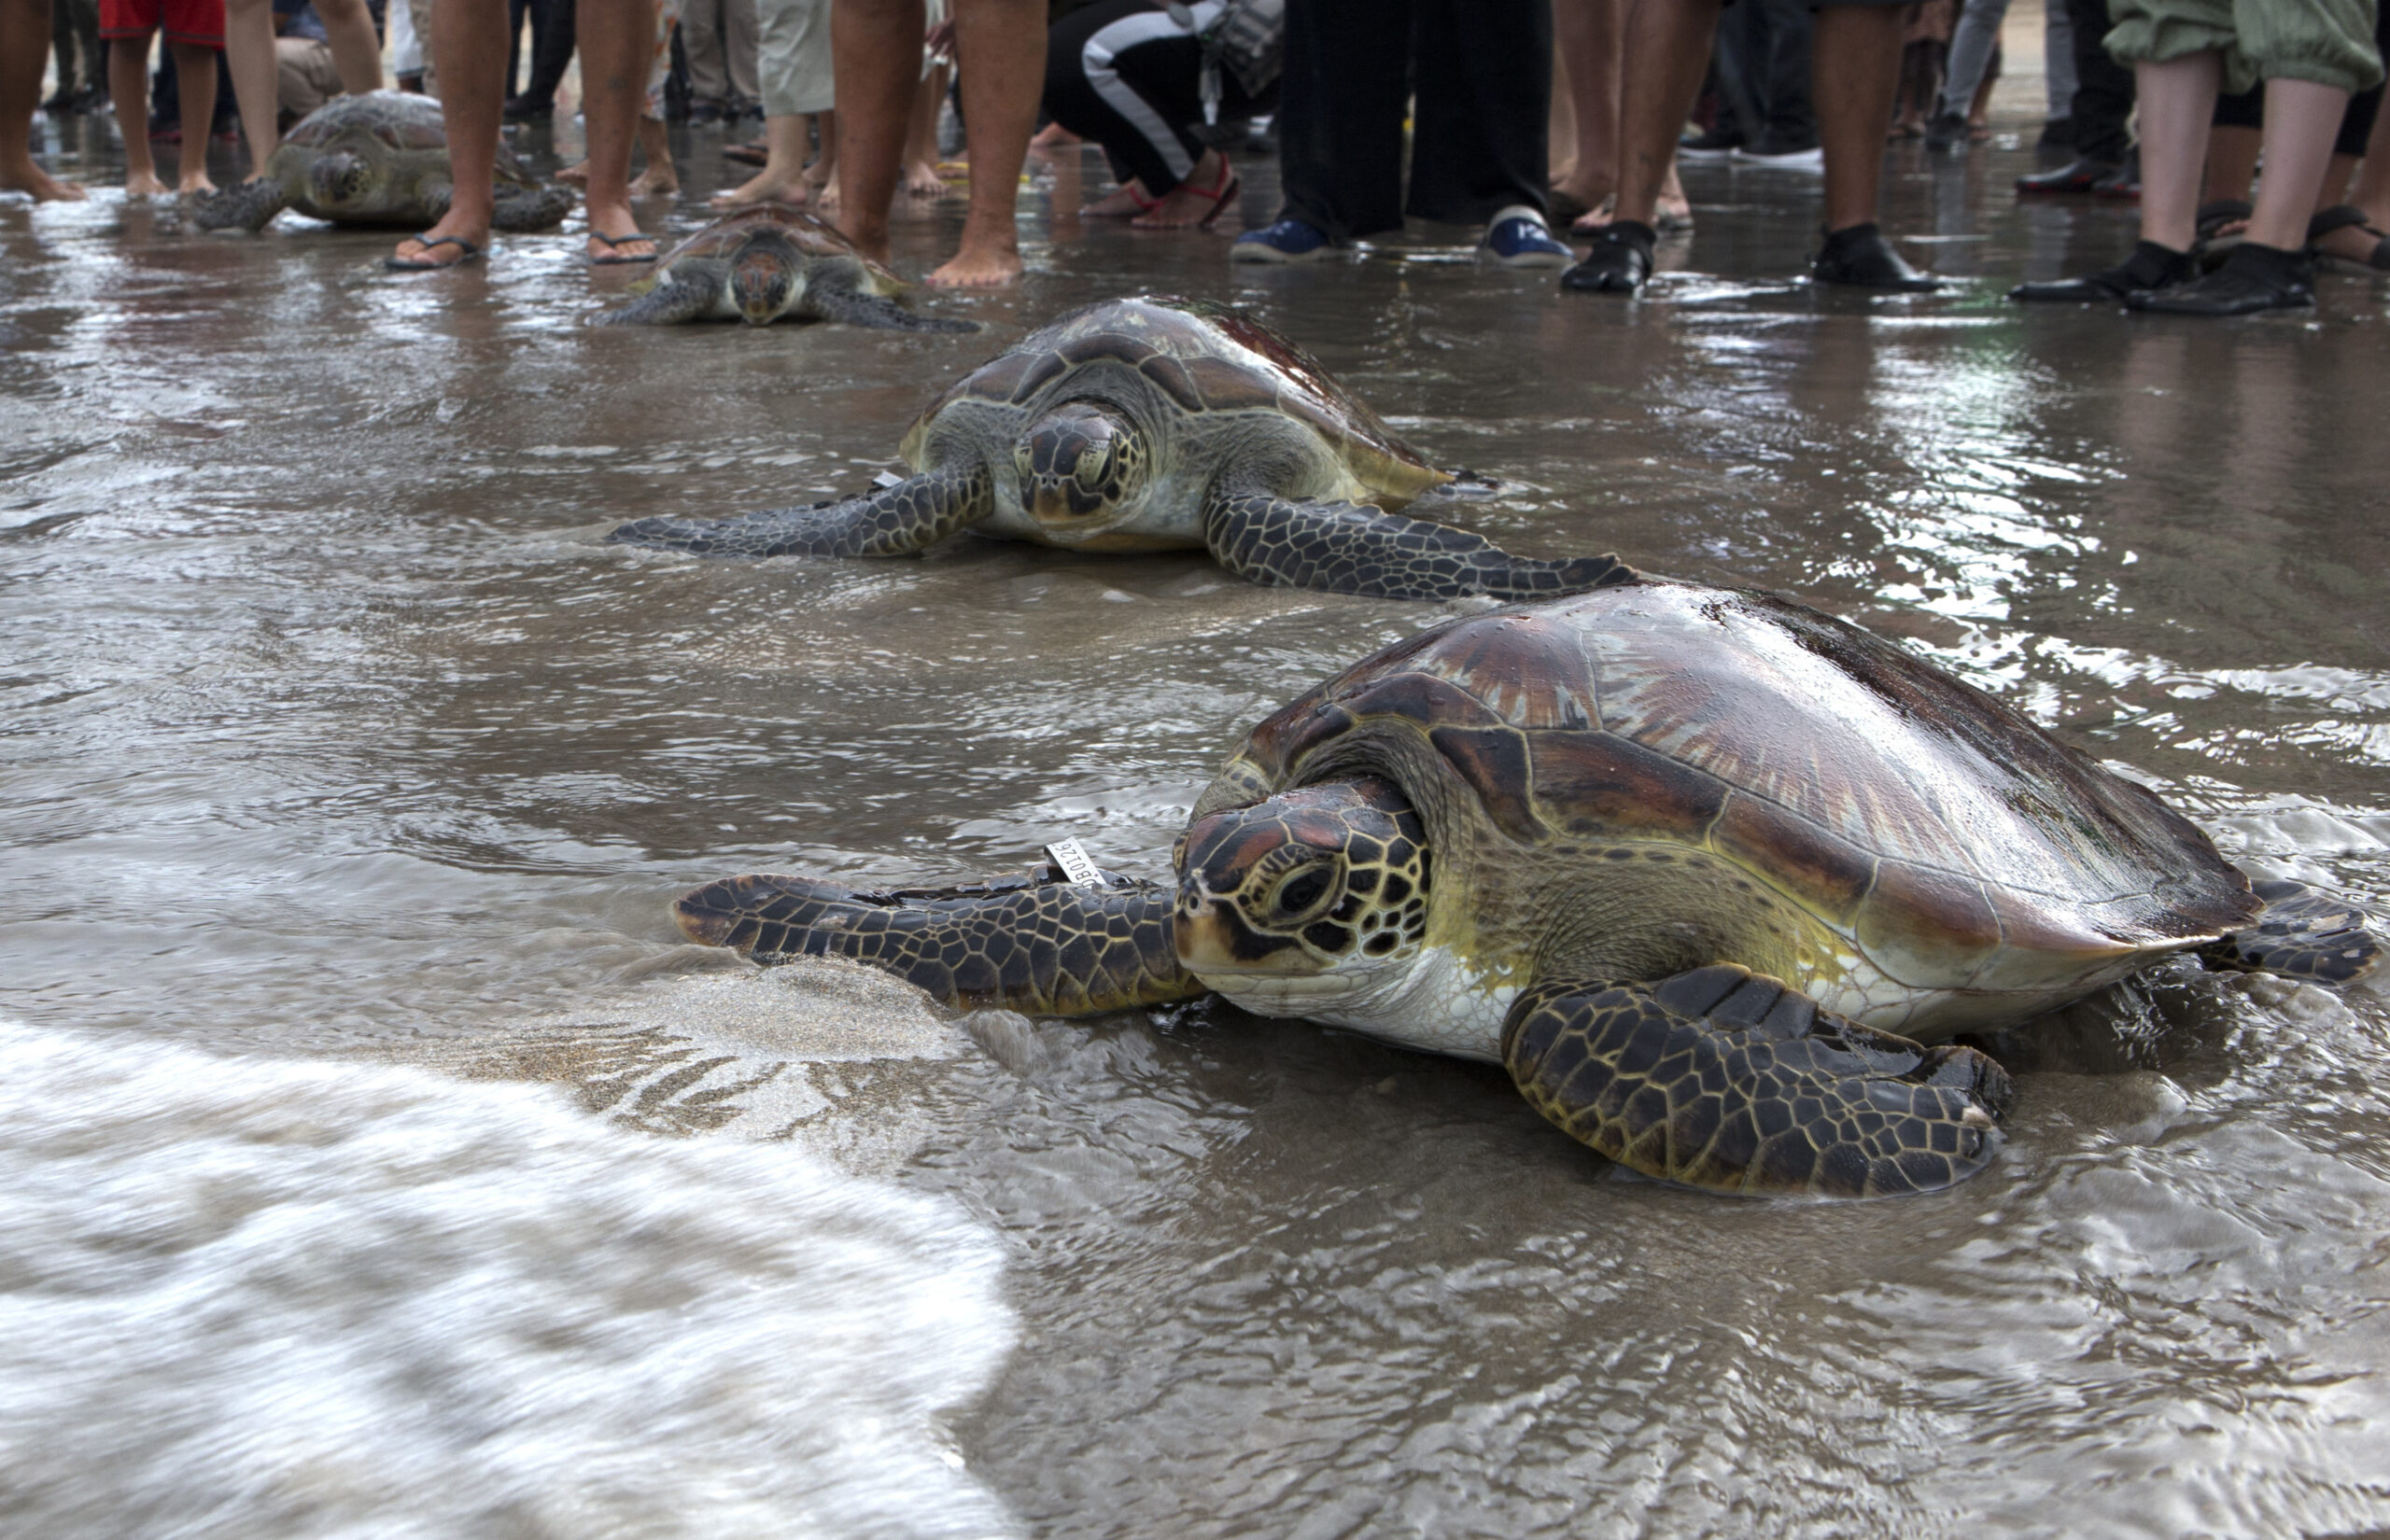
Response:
column 1300, row 893
column 1093, row 461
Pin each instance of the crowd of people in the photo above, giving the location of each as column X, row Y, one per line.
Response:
column 2259, row 145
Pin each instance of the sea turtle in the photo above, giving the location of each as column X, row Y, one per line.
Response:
column 1154, row 423
column 378, row 159
column 764, row 262
column 1683, row 859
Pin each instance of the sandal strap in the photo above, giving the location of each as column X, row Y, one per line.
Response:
column 2339, row 216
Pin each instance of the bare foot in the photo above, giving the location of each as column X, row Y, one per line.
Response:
column 1596, row 218
column 420, row 255
column 826, row 197
column 655, row 182
column 796, row 191
column 1590, row 191
column 922, row 179
column 976, row 269
column 29, row 178
column 575, row 175
column 1054, row 136
column 1125, row 201
column 196, row 183
column 144, row 183
column 1675, row 210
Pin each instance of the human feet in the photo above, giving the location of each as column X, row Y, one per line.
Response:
column 144, row 183
column 1125, row 201
column 978, row 265
column 656, row 181
column 575, row 175
column 28, row 178
column 451, row 242
column 1196, row 201
column 767, row 187
column 922, row 180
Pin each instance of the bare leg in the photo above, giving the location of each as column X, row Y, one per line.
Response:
column 822, row 175
column 1587, row 34
column 2370, row 193
column 2178, row 101
column 920, row 136
column 195, row 67
column 1002, row 44
column 874, row 53
column 2301, row 117
column 2231, row 161
column 249, row 58
column 782, row 179
column 661, row 179
column 357, row 53
column 1856, row 75
column 129, row 89
column 469, row 58
column 617, row 43
column 24, row 43
column 1670, row 41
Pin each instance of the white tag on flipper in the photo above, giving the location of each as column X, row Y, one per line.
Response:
column 1075, row 864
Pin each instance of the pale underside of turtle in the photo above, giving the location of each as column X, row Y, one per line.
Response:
column 1158, row 425
column 378, row 159
column 768, row 263
column 1705, row 869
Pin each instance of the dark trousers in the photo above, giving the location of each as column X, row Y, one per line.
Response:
column 552, row 40
column 1479, row 71
column 1161, row 69
column 1762, row 62
column 2103, row 89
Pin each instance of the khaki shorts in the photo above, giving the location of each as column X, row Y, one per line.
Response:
column 2329, row 42
column 793, row 38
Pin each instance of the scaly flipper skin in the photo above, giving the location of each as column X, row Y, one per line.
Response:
column 681, row 295
column 1722, row 1079
column 836, row 302
column 2303, row 932
column 521, row 208
column 1348, row 548
column 250, row 206
column 895, row 521
column 1045, row 948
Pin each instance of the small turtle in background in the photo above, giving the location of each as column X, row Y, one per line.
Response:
column 1713, row 875
column 380, row 159
column 764, row 262
column 1154, row 423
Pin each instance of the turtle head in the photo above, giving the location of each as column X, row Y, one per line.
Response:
column 337, row 178
column 1327, row 880
column 763, row 281
column 1079, row 464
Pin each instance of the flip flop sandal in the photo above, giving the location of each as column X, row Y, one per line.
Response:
column 613, row 258
column 2348, row 217
column 421, row 261
column 2210, row 246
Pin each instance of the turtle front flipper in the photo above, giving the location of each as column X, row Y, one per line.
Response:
column 836, row 301
column 250, row 206
column 909, row 516
column 1046, row 948
column 2302, row 932
column 1351, row 548
column 687, row 290
column 1722, row 1079
column 520, row 207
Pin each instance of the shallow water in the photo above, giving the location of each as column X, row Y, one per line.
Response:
column 346, row 773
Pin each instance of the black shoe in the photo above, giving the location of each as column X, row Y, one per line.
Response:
column 1620, row 261
column 2057, row 133
column 1709, row 145
column 525, row 110
column 1860, row 257
column 2252, row 279
column 1945, row 131
column 2151, row 267
column 2124, row 182
column 2074, row 176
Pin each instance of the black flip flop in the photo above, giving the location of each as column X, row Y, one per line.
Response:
column 430, row 243
column 2210, row 245
column 612, row 258
column 2348, row 217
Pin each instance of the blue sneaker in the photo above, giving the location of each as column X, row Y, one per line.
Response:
column 1288, row 241
column 1518, row 237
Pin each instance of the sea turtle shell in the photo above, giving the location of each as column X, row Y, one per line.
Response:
column 1205, row 359
column 1957, row 845
column 407, row 123
column 809, row 234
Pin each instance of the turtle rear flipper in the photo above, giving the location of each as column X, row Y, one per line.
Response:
column 896, row 520
column 838, row 303
column 686, row 291
column 1351, row 548
column 519, row 207
column 1722, row 1079
column 1044, row 946
column 250, row 206
column 2302, row 932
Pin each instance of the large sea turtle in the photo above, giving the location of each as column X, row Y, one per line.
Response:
column 764, row 262
column 1158, row 425
column 1683, row 859
column 379, row 158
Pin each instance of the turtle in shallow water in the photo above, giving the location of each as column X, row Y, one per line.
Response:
column 764, row 262
column 1705, row 869
column 378, row 159
column 1158, row 425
